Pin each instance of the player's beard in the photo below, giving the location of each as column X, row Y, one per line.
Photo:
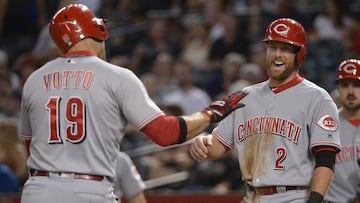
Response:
column 351, row 105
column 280, row 75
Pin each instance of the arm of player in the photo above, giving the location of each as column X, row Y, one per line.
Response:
column 321, row 179
column 323, row 173
column 206, row 147
column 169, row 130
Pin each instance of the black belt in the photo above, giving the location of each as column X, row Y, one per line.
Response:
column 81, row 176
column 269, row 190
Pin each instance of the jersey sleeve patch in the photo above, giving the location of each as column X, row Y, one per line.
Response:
column 328, row 123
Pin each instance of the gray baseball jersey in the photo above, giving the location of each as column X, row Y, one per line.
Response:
column 274, row 133
column 346, row 181
column 128, row 181
column 75, row 109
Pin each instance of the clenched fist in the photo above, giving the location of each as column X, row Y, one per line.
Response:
column 198, row 148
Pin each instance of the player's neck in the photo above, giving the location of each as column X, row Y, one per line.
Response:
column 296, row 80
column 86, row 44
column 351, row 115
column 273, row 83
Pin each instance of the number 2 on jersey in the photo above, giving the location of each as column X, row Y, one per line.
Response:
column 74, row 115
column 281, row 152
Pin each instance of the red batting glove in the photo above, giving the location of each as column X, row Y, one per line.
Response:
column 219, row 109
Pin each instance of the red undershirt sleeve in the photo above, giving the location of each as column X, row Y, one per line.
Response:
column 166, row 130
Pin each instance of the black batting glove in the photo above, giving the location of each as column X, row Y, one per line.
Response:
column 219, row 109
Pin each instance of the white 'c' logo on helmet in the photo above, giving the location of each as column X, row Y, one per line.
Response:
column 349, row 69
column 281, row 29
column 74, row 26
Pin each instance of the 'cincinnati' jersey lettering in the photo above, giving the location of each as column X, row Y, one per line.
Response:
column 273, row 125
column 347, row 153
column 68, row 79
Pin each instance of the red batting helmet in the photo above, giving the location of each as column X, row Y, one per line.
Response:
column 73, row 23
column 349, row 68
column 289, row 31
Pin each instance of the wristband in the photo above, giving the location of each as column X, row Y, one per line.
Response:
column 183, row 130
column 315, row 197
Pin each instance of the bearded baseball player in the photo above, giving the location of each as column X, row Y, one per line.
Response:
column 345, row 186
column 75, row 108
column 286, row 137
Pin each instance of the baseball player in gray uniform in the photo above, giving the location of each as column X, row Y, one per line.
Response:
column 128, row 182
column 286, row 137
column 75, row 108
column 345, row 186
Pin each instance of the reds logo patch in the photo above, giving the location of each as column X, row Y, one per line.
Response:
column 328, row 123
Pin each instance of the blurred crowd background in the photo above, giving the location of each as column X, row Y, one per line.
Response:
column 187, row 53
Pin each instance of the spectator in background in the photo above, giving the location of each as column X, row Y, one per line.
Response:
column 332, row 23
column 329, row 43
column 3, row 5
column 237, row 73
column 230, row 71
column 196, row 45
column 128, row 182
column 155, row 41
column 355, row 39
column 188, row 96
column 195, row 50
column 11, row 104
column 250, row 73
column 163, row 69
column 6, row 81
column 21, row 23
column 152, row 85
column 213, row 11
column 9, row 76
column 217, row 176
column 234, row 40
column 257, row 56
column 24, row 71
column 283, row 9
column 12, row 150
column 9, row 182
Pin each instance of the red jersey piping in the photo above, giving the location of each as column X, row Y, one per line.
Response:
column 285, row 86
column 78, row 53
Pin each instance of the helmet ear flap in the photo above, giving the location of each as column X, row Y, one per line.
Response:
column 300, row 56
column 100, row 24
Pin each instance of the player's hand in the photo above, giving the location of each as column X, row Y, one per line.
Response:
column 198, row 148
column 219, row 109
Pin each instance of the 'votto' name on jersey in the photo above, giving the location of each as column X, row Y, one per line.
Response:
column 68, row 79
